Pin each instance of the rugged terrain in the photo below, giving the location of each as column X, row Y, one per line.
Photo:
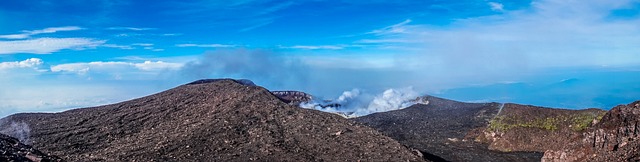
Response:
column 13, row 150
column 293, row 97
column 212, row 120
column 616, row 137
column 235, row 120
column 532, row 128
column 444, row 130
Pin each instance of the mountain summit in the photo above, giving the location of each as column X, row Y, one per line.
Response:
column 212, row 120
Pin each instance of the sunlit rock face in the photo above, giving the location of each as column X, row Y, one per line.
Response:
column 613, row 138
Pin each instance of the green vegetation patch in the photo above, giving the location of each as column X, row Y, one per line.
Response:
column 577, row 122
column 502, row 123
column 582, row 121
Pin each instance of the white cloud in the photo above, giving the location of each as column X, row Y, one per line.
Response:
column 52, row 30
column 351, row 61
column 158, row 65
column 328, row 47
column 114, row 67
column 496, row 6
column 28, row 33
column 171, row 34
column 28, row 63
column 130, row 28
column 207, row 45
column 47, row 45
column 117, row 46
column 550, row 34
column 142, row 44
column 146, row 46
column 15, row 36
column 393, row 29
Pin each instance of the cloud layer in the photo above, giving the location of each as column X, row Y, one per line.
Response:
column 47, row 45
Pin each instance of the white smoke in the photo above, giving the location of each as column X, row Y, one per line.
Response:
column 390, row 99
column 354, row 103
column 19, row 130
column 348, row 95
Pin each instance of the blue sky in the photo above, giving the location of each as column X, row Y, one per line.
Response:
column 56, row 55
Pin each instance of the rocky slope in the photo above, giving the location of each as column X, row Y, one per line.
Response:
column 444, row 130
column 532, row 128
column 12, row 150
column 614, row 138
column 212, row 120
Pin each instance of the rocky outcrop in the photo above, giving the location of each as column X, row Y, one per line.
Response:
column 444, row 130
column 12, row 150
column 532, row 128
column 293, row 97
column 210, row 120
column 614, row 138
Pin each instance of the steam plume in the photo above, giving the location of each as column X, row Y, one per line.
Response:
column 19, row 130
column 354, row 103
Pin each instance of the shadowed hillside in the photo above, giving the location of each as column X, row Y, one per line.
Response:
column 444, row 130
column 448, row 130
column 12, row 150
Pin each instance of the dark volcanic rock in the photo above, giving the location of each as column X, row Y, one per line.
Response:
column 293, row 97
column 240, row 81
column 444, row 130
column 616, row 137
column 209, row 121
column 12, row 150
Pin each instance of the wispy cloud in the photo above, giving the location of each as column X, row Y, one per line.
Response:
column 52, row 30
column 171, row 34
column 15, row 36
column 47, row 45
column 207, row 45
column 126, row 47
column 114, row 67
column 153, row 49
column 146, row 46
column 130, row 28
column 398, row 28
column 28, row 33
column 567, row 30
column 143, row 44
column 258, row 25
column 495, row 6
column 323, row 47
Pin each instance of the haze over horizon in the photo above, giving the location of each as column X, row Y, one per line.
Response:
column 56, row 55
